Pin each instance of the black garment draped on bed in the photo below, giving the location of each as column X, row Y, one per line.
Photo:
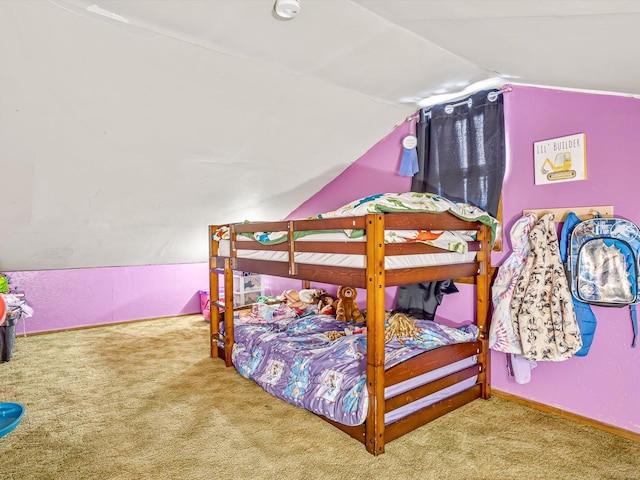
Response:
column 420, row 300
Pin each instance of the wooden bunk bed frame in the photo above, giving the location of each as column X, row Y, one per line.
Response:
column 373, row 433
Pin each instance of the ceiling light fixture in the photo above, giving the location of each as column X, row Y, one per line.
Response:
column 287, row 8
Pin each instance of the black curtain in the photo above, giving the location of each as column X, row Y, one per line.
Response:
column 461, row 156
column 461, row 153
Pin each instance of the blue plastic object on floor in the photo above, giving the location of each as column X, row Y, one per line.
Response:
column 10, row 416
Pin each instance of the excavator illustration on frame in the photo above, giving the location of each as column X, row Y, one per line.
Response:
column 560, row 168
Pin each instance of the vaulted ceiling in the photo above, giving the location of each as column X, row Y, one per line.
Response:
column 128, row 126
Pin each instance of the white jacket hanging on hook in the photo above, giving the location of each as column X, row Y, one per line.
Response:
column 541, row 307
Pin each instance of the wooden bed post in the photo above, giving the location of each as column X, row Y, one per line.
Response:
column 483, row 305
column 228, row 312
column 229, row 263
column 375, row 278
column 214, row 312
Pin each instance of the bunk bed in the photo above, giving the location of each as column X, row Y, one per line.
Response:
column 366, row 257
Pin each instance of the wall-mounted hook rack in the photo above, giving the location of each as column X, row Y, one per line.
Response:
column 583, row 212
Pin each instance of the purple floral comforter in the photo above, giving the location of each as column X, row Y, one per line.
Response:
column 294, row 359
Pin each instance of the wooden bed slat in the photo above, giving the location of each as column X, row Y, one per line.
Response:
column 430, row 360
column 261, row 227
column 403, row 276
column 333, row 275
column 427, row 221
column 427, row 414
column 337, row 223
column 417, row 393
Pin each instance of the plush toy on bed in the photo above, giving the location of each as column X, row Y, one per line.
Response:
column 300, row 301
column 325, row 302
column 347, row 309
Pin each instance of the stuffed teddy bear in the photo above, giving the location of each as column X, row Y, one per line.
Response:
column 347, row 309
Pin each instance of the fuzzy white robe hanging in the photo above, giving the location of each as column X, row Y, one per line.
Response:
column 503, row 337
column 541, row 307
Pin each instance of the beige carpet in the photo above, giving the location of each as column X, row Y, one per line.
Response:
column 145, row 401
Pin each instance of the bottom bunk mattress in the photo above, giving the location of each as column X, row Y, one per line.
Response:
column 301, row 361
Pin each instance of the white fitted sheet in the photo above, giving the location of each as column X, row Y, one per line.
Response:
column 348, row 260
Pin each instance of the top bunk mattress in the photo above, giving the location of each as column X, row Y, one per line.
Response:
column 348, row 260
column 452, row 245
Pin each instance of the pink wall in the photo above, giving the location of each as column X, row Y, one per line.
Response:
column 94, row 296
column 605, row 385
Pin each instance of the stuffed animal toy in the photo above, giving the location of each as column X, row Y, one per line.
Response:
column 301, row 300
column 307, row 295
column 292, row 299
column 347, row 309
column 325, row 302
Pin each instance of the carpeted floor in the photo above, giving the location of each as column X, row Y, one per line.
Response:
column 145, row 401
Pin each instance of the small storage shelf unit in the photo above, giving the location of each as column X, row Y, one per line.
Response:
column 247, row 288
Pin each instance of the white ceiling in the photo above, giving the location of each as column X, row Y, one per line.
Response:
column 127, row 126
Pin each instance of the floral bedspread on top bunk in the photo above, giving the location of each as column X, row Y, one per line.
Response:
column 294, row 359
column 455, row 241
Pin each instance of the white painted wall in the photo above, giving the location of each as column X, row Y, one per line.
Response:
column 119, row 146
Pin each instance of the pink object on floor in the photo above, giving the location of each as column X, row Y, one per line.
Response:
column 3, row 311
column 205, row 307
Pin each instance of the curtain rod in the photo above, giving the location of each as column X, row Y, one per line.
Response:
column 492, row 96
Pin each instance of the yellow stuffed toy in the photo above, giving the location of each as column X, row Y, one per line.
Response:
column 347, row 309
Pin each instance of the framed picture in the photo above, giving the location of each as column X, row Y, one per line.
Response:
column 562, row 159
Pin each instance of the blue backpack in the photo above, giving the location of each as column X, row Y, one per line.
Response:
column 585, row 317
column 602, row 264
